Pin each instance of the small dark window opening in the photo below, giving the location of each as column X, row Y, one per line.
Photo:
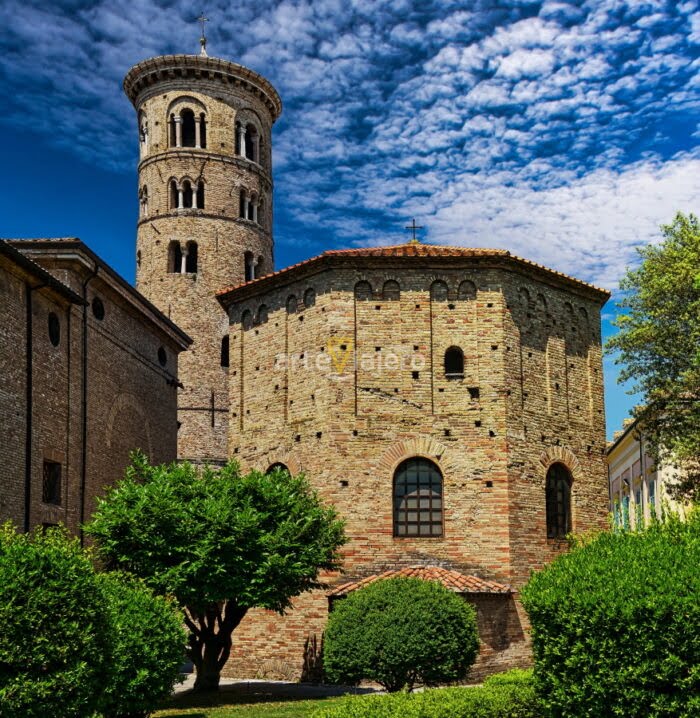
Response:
column 51, row 486
column 262, row 314
column 202, row 130
column 277, row 466
column 173, row 134
column 225, row 351
column 473, row 392
column 175, row 258
column 558, row 498
column 54, row 329
column 417, row 499
column 241, row 205
column 98, row 309
column 454, row 363
column 162, row 356
column 173, row 195
column 291, row 304
column 187, row 194
column 247, row 319
column 191, row 261
column 309, row 297
column 138, row 258
column 200, row 195
column 188, row 133
column 466, row 290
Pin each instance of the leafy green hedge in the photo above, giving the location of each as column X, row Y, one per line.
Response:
column 54, row 627
column 509, row 695
column 148, row 647
column 399, row 632
column 616, row 625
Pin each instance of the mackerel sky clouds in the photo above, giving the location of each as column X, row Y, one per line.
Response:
column 563, row 131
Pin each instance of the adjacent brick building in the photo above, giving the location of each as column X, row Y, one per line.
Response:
column 448, row 401
column 89, row 373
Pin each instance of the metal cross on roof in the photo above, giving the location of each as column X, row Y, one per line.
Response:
column 203, row 40
column 414, row 228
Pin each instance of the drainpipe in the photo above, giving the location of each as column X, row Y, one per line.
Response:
column 84, row 417
column 29, row 408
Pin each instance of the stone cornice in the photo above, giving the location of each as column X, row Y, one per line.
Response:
column 194, row 67
column 195, row 154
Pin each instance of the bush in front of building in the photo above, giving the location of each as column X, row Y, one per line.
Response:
column 616, row 624
column 148, row 647
column 506, row 695
column 55, row 641
column 400, row 632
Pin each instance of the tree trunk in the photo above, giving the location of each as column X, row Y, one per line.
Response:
column 210, row 641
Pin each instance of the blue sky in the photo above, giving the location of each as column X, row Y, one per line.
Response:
column 566, row 132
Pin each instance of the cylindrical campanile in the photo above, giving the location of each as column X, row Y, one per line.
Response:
column 205, row 218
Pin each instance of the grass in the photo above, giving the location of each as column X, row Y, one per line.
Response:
column 226, row 704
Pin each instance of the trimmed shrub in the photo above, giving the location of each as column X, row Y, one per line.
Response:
column 616, row 624
column 54, row 627
column 512, row 696
column 148, row 647
column 399, row 632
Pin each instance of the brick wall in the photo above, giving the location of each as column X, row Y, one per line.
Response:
column 536, row 364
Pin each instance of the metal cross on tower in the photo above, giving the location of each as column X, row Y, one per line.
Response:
column 414, row 228
column 203, row 40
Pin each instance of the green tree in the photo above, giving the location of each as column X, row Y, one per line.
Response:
column 659, row 348
column 218, row 541
column 399, row 632
column 56, row 636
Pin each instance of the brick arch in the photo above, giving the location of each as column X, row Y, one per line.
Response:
column 128, row 401
column 425, row 447
column 561, row 455
column 290, row 460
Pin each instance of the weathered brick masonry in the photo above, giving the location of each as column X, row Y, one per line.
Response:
column 350, row 383
column 89, row 371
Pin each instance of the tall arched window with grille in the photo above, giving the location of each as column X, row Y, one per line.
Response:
column 418, row 498
column 558, row 501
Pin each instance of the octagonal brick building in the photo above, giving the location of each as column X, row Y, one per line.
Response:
column 448, row 401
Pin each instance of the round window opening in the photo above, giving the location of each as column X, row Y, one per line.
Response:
column 162, row 356
column 54, row 329
column 98, row 308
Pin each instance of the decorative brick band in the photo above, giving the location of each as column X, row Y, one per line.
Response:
column 562, row 455
column 424, row 446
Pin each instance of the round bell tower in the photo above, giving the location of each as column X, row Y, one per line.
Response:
column 205, row 219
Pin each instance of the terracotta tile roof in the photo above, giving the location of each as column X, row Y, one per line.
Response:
column 454, row 580
column 410, row 249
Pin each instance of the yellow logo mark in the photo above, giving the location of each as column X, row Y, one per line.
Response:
column 339, row 349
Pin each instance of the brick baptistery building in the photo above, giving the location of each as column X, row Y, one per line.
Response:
column 448, row 401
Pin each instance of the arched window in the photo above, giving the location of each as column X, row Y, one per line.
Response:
column 262, row 314
column 175, row 257
column 174, row 199
column 243, row 204
column 187, row 194
column 200, row 195
column 252, row 142
column 249, row 261
column 202, row 131
column 277, row 466
column 363, row 291
column 558, row 501
column 417, row 498
column 454, row 363
column 191, row 260
column 225, row 351
column 291, row 304
column 438, row 291
column 188, row 131
column 391, row 291
column 247, row 319
column 466, row 290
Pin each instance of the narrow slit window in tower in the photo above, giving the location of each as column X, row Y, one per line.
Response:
column 191, row 259
column 200, row 195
